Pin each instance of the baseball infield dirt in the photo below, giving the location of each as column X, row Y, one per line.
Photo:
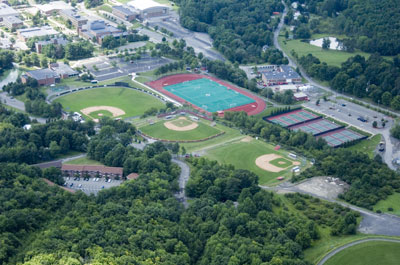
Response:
column 263, row 163
column 170, row 125
column 115, row 111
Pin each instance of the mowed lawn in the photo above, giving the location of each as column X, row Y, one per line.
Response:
column 244, row 154
column 369, row 253
column 158, row 130
column 83, row 161
column 133, row 102
column 392, row 201
column 331, row 57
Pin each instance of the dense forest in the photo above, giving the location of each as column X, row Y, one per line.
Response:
column 240, row 29
column 371, row 26
column 6, row 60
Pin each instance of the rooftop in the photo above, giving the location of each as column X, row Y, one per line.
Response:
column 6, row 10
column 128, row 11
column 59, row 41
column 132, row 176
column 63, row 69
column 282, row 72
column 37, row 32
column 72, row 14
column 144, row 4
column 12, row 19
column 42, row 74
column 102, row 169
column 56, row 5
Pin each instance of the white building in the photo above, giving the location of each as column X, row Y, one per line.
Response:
column 6, row 11
column 56, row 6
column 149, row 8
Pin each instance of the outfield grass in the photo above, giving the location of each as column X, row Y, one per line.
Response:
column 331, row 57
column 367, row 146
column 368, row 253
column 106, row 113
column 393, row 201
column 281, row 162
column 134, row 103
column 83, row 161
column 158, row 130
column 244, row 154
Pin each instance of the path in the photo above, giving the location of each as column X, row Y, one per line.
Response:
column 389, row 153
column 372, row 223
column 337, row 250
column 183, row 179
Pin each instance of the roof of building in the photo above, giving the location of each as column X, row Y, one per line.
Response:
column 73, row 15
column 12, row 19
column 102, row 169
column 37, row 32
column 5, row 43
column 132, row 176
column 99, row 26
column 282, row 72
column 42, row 74
column 144, row 4
column 6, row 10
column 63, row 69
column 128, row 11
column 300, row 95
column 56, row 5
column 59, row 41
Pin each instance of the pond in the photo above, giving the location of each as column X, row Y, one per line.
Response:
column 335, row 44
column 11, row 77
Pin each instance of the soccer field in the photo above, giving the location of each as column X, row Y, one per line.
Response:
column 208, row 94
column 132, row 102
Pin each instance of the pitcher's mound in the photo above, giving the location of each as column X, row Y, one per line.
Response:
column 263, row 162
column 181, row 124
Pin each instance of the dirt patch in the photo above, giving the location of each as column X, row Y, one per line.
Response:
column 263, row 162
column 247, row 139
column 296, row 163
column 100, row 114
column 114, row 111
column 326, row 187
column 281, row 163
column 169, row 125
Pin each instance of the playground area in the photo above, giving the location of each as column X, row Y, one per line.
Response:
column 208, row 94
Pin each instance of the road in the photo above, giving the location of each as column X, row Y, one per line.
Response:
column 183, row 179
column 390, row 152
column 337, row 250
column 372, row 223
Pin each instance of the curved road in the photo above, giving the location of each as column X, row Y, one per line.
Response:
column 183, row 179
column 337, row 250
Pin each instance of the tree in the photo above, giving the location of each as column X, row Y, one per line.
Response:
column 183, row 150
column 326, row 43
column 64, row 145
column 375, row 124
column 55, row 149
column 317, row 102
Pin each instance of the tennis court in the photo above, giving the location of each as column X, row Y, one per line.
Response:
column 316, row 127
column 339, row 137
column 208, row 95
column 292, row 118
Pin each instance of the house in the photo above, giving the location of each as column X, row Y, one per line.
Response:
column 149, row 8
column 12, row 22
column 132, row 176
column 76, row 20
column 43, row 76
column 53, row 7
column 92, row 171
column 5, row 43
column 63, row 70
column 7, row 11
column 300, row 96
column 57, row 41
column 125, row 12
column 26, row 34
column 279, row 75
column 98, row 29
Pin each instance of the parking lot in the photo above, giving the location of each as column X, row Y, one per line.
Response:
column 91, row 185
column 103, row 68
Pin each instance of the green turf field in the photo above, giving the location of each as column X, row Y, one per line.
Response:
column 208, row 95
column 158, row 130
column 134, row 103
column 331, row 57
column 244, row 154
column 368, row 253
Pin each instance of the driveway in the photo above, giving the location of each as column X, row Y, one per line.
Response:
column 183, row 179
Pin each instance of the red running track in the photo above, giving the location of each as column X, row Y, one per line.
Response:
column 251, row 108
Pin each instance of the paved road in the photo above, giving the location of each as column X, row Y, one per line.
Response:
column 183, row 179
column 372, row 223
column 337, row 250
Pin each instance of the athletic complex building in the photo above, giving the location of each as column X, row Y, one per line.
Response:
column 334, row 134
column 208, row 94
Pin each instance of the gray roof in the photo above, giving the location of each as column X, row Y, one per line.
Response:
column 125, row 9
column 73, row 15
column 12, row 19
column 37, row 32
column 62, row 69
column 59, row 41
column 6, row 10
column 42, row 74
column 282, row 72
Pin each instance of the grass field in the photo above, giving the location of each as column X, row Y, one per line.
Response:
column 281, row 162
column 367, row 146
column 83, row 161
column 368, row 253
column 393, row 201
column 243, row 155
column 134, row 103
column 158, row 130
column 331, row 57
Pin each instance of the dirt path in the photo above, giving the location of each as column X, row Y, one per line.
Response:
column 337, row 250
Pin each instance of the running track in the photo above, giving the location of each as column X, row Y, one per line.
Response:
column 251, row 108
